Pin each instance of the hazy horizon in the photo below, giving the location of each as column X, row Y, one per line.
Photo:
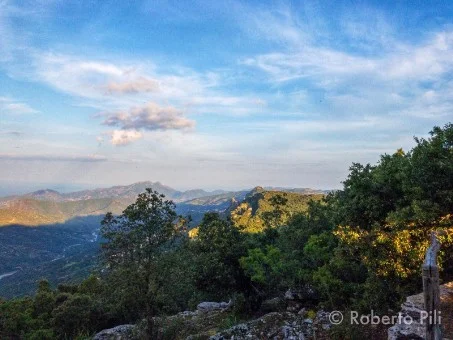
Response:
column 11, row 189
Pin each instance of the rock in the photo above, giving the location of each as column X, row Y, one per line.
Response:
column 188, row 314
column 294, row 307
column 322, row 320
column 273, row 305
column 281, row 326
column 122, row 332
column 293, row 300
column 199, row 324
column 302, row 312
column 413, row 307
column 204, row 322
column 292, row 295
column 206, row 307
column 306, row 293
column 402, row 332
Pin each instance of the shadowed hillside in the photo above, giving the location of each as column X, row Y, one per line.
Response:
column 65, row 252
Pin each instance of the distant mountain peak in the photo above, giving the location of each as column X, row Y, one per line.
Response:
column 45, row 195
column 44, row 191
column 255, row 190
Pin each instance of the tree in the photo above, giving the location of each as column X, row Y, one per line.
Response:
column 135, row 241
column 264, row 268
column 384, row 217
column 430, row 183
column 216, row 251
column 273, row 218
column 74, row 316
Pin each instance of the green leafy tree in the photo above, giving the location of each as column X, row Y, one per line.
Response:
column 264, row 268
column 273, row 218
column 216, row 252
column 135, row 242
column 74, row 316
column 385, row 214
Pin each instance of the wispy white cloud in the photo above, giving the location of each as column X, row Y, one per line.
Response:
column 52, row 158
column 10, row 106
column 138, row 85
column 420, row 62
column 111, row 83
column 394, row 80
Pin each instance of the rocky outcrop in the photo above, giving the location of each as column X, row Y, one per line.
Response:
column 295, row 299
column 206, row 307
column 276, row 304
column 279, row 326
column 198, row 324
column 122, row 332
column 211, row 317
column 412, row 309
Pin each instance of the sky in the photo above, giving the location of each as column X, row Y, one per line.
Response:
column 216, row 94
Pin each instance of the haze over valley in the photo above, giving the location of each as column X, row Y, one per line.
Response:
column 56, row 235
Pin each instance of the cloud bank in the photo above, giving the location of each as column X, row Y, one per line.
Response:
column 53, row 158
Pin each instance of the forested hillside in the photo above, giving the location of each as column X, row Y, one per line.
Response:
column 358, row 248
column 250, row 215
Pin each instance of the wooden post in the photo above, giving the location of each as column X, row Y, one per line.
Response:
column 431, row 290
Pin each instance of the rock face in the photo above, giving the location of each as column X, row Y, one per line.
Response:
column 122, row 332
column 413, row 307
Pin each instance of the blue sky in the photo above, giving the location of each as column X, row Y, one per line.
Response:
column 225, row 94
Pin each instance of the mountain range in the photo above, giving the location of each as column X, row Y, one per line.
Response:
column 48, row 206
column 117, row 192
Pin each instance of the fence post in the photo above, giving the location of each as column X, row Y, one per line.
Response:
column 431, row 290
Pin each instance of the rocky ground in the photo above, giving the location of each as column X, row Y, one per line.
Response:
column 216, row 321
column 414, row 305
column 281, row 319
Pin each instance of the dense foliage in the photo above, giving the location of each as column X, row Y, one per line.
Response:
column 361, row 247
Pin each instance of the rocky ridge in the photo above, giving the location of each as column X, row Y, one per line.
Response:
column 210, row 321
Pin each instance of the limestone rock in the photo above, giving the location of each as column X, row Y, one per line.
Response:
column 273, row 305
column 122, row 332
column 278, row 326
column 206, row 307
column 412, row 307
